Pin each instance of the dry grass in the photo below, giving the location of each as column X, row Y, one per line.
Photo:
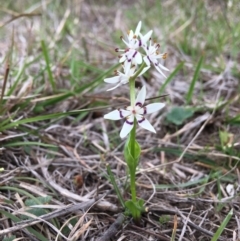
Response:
column 57, row 163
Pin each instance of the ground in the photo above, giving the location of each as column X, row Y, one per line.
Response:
column 56, row 145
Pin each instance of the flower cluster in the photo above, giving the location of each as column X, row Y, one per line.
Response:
column 131, row 58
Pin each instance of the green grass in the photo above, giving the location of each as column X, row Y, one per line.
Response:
column 194, row 80
column 222, row 226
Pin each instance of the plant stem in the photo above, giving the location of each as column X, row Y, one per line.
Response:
column 132, row 141
column 133, row 134
column 133, row 186
column 138, row 72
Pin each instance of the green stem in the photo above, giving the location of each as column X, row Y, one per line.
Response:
column 133, row 133
column 133, row 186
column 138, row 72
column 132, row 91
column 132, row 142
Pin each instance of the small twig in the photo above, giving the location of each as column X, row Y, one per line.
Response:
column 185, row 225
column 191, row 224
column 194, row 138
column 20, row 16
column 160, row 236
column 57, row 213
column 113, row 229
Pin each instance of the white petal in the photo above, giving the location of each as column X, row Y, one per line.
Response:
column 114, row 87
column 122, row 59
column 146, row 60
column 138, row 58
column 144, row 123
column 127, row 66
column 112, row 80
column 160, row 71
column 141, row 96
column 144, row 70
column 132, row 70
column 163, row 67
column 126, row 43
column 130, row 35
column 124, row 81
column 156, row 56
column 154, row 107
column 127, row 127
column 125, row 113
column 146, row 37
column 138, row 28
column 113, row 115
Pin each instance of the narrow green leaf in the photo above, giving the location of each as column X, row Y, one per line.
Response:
column 194, row 80
column 18, row 190
column 42, row 200
column 115, row 186
column 222, row 226
column 28, row 143
column 11, row 238
column 31, row 230
column 17, row 80
column 135, row 208
column 182, row 185
column 235, row 120
column 170, row 77
column 74, row 70
column 47, row 117
column 45, row 54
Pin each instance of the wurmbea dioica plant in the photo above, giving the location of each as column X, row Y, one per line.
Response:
column 136, row 59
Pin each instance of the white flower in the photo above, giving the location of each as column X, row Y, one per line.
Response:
column 137, row 111
column 132, row 37
column 131, row 55
column 152, row 56
column 123, row 78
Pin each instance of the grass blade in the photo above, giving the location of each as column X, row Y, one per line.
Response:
column 194, row 80
column 87, row 86
column 31, row 230
column 28, row 143
column 170, row 77
column 18, row 190
column 115, row 186
column 7, row 68
column 45, row 54
column 222, row 226
column 235, row 120
column 183, row 185
column 48, row 117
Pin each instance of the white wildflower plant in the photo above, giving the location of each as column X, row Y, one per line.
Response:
column 136, row 59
